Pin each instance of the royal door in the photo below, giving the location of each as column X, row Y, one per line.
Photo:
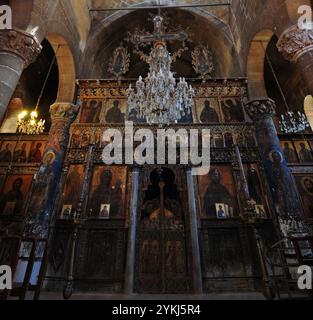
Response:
column 162, row 264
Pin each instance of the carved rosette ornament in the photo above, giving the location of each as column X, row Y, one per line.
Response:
column 294, row 42
column 20, row 43
column 261, row 108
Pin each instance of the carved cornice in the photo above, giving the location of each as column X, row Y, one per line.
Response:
column 101, row 89
column 295, row 42
column 261, row 108
column 63, row 111
column 20, row 43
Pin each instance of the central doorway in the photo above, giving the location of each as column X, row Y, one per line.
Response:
column 162, row 264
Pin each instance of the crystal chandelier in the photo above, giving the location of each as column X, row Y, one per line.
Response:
column 28, row 123
column 160, row 98
column 291, row 122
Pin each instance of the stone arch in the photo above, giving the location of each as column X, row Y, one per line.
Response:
column 66, row 66
column 108, row 32
column 255, row 64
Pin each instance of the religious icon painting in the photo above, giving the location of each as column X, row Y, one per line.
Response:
column 21, row 152
column 36, row 151
column 208, row 110
column 305, row 187
column 232, row 110
column 254, row 181
column 221, row 211
column 76, row 139
column 217, row 188
column 260, row 211
column 15, row 194
column 66, row 212
column 115, row 111
column 72, row 186
column 91, row 111
column 104, row 211
column 290, row 152
column 107, row 187
column 304, row 151
column 6, row 151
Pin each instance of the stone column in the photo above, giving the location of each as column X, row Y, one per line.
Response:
column 132, row 234
column 17, row 50
column 296, row 45
column 195, row 248
column 48, row 177
column 284, row 190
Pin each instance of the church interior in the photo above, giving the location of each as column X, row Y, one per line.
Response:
column 72, row 225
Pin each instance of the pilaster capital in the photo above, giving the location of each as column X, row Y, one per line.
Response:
column 63, row 111
column 20, row 43
column 294, row 42
column 260, row 108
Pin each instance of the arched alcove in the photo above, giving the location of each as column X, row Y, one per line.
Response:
column 66, row 65
column 105, row 37
column 29, row 88
column 255, row 64
column 60, row 86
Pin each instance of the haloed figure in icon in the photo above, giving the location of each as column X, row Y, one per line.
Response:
column 12, row 202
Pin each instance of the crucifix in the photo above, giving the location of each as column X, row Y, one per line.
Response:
column 159, row 35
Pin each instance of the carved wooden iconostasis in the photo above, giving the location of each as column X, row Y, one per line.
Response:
column 100, row 195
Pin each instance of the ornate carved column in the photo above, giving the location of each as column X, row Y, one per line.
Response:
column 284, row 190
column 193, row 220
column 18, row 49
column 296, row 45
column 132, row 234
column 48, row 177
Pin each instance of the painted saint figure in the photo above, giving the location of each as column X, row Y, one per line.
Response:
column 12, row 202
column 254, row 185
column 216, row 193
column 290, row 153
column 93, row 115
column 114, row 115
column 20, row 154
column 72, row 187
column 105, row 193
column 6, row 154
column 305, row 154
column 35, row 155
column 209, row 115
